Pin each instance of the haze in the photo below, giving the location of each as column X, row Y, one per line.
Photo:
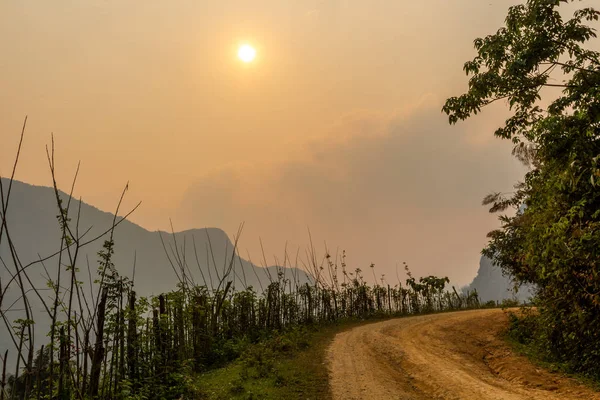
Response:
column 336, row 126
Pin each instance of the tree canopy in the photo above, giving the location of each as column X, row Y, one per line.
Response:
column 542, row 64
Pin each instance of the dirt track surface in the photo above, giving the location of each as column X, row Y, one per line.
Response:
column 443, row 356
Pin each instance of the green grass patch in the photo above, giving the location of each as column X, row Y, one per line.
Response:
column 288, row 366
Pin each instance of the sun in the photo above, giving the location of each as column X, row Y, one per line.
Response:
column 246, row 53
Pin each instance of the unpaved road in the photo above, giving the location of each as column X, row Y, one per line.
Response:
column 443, row 356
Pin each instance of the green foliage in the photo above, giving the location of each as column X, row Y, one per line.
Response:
column 553, row 238
column 523, row 327
column 153, row 348
column 510, row 303
column 489, row 304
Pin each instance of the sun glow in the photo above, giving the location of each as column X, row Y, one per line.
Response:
column 246, row 53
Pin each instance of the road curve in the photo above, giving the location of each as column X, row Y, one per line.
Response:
column 455, row 355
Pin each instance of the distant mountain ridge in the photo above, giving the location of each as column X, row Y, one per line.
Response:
column 35, row 232
column 492, row 284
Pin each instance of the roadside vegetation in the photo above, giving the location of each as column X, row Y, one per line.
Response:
column 106, row 341
column 291, row 365
column 542, row 63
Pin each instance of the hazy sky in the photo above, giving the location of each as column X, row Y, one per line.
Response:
column 336, row 126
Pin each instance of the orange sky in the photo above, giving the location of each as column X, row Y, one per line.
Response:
column 336, row 126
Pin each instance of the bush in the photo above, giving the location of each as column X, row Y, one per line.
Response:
column 522, row 328
column 490, row 304
column 510, row 303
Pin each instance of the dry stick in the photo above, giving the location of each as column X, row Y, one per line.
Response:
column 57, row 284
column 134, row 265
column 234, row 254
column 288, row 263
column 185, row 266
column 329, row 268
column 104, row 363
column 169, row 258
column 77, row 352
column 17, row 368
column 306, row 269
column 179, row 258
column 4, row 202
column 132, row 341
column 111, row 237
column 296, row 273
column 234, row 250
column 457, row 297
column 208, row 266
column 174, row 251
column 28, row 367
column 62, row 361
column 198, row 262
column 73, row 262
column 184, row 254
column 28, row 312
column 112, row 362
column 254, row 269
column 313, row 261
column 311, row 268
column 279, row 268
column 72, row 257
column 180, row 261
column 236, row 276
column 3, row 382
column 92, row 296
column 101, row 309
column 337, row 252
column 121, row 338
column 12, row 335
column 37, row 374
column 98, row 353
column 78, row 288
column 86, row 349
column 245, row 282
column 212, row 254
column 264, row 261
column 220, row 301
column 225, row 257
column 221, row 298
column 176, row 254
column 11, row 276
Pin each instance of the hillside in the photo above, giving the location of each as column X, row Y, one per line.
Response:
column 34, row 230
column 491, row 284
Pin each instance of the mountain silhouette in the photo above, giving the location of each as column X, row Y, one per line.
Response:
column 492, row 284
column 34, row 231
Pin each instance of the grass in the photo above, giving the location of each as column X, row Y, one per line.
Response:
column 537, row 358
column 527, row 347
column 290, row 366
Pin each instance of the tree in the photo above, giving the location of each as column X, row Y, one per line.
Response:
column 540, row 63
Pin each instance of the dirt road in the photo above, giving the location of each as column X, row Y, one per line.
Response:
column 443, row 356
